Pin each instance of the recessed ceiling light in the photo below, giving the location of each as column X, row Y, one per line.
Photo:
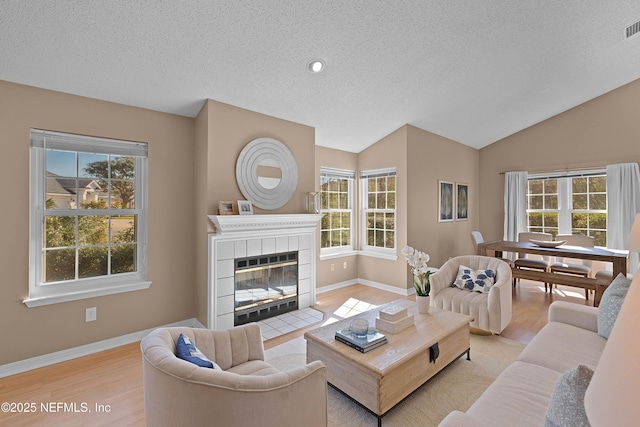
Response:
column 315, row 65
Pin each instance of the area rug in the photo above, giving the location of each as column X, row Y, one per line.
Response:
column 455, row 388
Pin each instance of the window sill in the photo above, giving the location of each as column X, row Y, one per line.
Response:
column 91, row 293
column 338, row 255
column 392, row 256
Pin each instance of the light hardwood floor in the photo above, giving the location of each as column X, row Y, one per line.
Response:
column 109, row 383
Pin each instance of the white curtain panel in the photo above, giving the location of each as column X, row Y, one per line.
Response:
column 515, row 204
column 623, row 203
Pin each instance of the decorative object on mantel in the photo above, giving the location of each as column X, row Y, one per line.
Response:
column 393, row 319
column 266, row 173
column 313, row 202
column 417, row 260
column 227, row 208
column 245, row 207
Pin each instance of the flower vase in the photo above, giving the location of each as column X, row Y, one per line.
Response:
column 423, row 304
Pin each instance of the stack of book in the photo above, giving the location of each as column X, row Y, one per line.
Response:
column 362, row 344
column 394, row 318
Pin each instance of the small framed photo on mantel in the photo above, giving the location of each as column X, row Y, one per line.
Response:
column 245, row 207
column 227, row 208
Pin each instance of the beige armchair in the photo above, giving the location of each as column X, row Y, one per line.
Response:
column 491, row 311
column 246, row 391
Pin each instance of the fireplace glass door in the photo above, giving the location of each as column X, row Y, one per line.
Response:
column 265, row 286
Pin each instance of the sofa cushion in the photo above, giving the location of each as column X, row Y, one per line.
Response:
column 610, row 304
column 186, row 350
column 567, row 400
column 474, row 280
column 560, row 347
column 518, row 397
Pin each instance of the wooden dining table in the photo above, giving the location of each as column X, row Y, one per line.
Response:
column 618, row 258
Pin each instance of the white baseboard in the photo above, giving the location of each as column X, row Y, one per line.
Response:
column 377, row 285
column 335, row 286
column 84, row 350
column 388, row 288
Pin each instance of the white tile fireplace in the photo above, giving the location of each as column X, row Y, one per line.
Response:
column 242, row 236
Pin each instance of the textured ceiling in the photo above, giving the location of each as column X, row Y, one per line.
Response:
column 472, row 71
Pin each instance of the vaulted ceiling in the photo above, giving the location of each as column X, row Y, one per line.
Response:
column 472, row 71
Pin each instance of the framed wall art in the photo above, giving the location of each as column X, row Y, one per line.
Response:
column 445, row 199
column 462, row 201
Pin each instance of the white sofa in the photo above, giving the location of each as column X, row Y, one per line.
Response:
column 522, row 393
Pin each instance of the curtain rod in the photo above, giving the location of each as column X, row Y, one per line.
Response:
column 566, row 169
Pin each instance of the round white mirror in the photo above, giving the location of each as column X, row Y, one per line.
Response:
column 266, row 173
column 269, row 174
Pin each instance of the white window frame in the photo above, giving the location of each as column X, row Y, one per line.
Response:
column 565, row 193
column 349, row 175
column 366, row 249
column 56, row 292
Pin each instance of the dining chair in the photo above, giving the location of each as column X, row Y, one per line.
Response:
column 525, row 262
column 577, row 267
column 476, row 239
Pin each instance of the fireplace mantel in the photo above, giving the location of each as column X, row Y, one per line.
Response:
column 251, row 224
column 239, row 236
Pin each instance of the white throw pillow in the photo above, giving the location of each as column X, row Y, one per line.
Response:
column 474, row 280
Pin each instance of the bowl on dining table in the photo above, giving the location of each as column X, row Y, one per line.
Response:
column 548, row 243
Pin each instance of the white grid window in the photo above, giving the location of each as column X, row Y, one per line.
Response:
column 336, row 207
column 571, row 203
column 379, row 210
column 88, row 217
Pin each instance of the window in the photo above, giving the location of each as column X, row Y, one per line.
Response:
column 336, row 205
column 589, row 207
column 88, row 217
column 379, row 210
column 569, row 204
column 542, row 205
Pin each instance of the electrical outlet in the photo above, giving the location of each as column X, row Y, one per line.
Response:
column 344, row 265
column 90, row 314
column 333, row 267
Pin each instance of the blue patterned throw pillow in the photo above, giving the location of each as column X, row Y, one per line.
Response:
column 474, row 280
column 186, row 350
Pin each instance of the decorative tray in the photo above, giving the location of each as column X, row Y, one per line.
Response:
column 548, row 243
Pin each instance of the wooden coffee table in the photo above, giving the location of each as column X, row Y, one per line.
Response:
column 381, row 378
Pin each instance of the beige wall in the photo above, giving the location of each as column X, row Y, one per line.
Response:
column 390, row 151
column 431, row 158
column 28, row 332
column 202, row 225
column 222, row 131
column 605, row 130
